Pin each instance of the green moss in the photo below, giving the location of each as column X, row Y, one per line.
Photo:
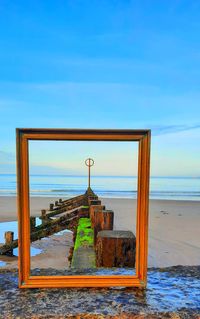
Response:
column 84, row 223
column 85, row 234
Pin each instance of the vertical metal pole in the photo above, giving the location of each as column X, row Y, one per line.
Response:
column 89, row 175
column 89, row 162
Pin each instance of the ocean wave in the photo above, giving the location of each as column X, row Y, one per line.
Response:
column 75, row 190
column 104, row 186
column 121, row 193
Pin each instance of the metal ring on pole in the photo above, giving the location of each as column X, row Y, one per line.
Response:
column 88, row 162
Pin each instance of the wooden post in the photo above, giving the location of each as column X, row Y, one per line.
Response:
column 32, row 223
column 115, row 248
column 60, row 200
column 56, row 203
column 51, row 206
column 95, row 208
column 9, row 236
column 103, row 220
column 44, row 216
column 94, row 202
column 43, row 213
column 83, row 212
column 93, row 198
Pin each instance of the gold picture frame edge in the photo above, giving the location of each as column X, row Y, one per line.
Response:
column 23, row 135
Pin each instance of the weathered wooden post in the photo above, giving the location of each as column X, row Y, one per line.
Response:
column 93, row 198
column 60, row 200
column 51, row 206
column 43, row 212
column 115, row 248
column 83, row 212
column 103, row 220
column 94, row 202
column 32, row 222
column 95, row 208
column 9, row 236
column 44, row 216
column 56, row 203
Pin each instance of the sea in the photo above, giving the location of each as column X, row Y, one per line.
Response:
column 66, row 186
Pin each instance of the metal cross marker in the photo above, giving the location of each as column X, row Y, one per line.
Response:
column 89, row 162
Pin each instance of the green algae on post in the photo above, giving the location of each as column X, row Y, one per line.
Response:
column 85, row 234
column 84, row 255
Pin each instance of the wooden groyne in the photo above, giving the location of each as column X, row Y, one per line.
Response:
column 64, row 206
column 96, row 244
column 71, row 210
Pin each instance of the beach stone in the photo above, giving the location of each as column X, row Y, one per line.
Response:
column 172, row 292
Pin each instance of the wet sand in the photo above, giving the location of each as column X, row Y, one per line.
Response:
column 173, row 229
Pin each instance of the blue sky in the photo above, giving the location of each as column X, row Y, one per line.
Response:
column 68, row 157
column 103, row 64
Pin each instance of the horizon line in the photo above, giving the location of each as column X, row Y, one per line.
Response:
column 80, row 175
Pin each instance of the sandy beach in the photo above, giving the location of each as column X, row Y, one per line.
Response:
column 173, row 229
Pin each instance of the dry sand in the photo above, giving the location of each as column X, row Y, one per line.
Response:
column 173, row 229
column 8, row 206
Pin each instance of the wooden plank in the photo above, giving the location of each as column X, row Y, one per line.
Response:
column 84, row 254
column 45, row 230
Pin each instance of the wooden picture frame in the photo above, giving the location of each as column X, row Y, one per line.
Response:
column 23, row 136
